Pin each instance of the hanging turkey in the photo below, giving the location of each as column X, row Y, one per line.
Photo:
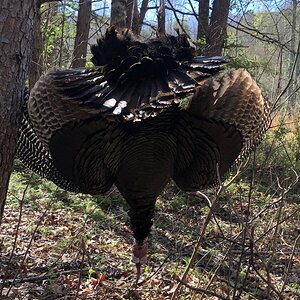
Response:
column 122, row 123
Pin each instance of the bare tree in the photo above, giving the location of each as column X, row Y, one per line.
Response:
column 135, row 18
column 36, row 65
column 161, row 17
column 143, row 10
column 49, row 57
column 17, row 20
column 131, row 12
column 118, row 13
column 62, row 33
column 217, row 27
column 212, row 32
column 203, row 19
column 82, row 33
column 292, row 98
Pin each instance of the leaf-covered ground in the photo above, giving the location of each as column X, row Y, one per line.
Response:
column 57, row 245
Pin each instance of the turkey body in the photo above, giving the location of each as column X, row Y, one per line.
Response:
column 122, row 123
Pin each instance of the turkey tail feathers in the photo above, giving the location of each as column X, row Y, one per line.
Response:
column 113, row 46
column 134, row 80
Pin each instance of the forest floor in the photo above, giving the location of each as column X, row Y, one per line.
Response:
column 57, row 245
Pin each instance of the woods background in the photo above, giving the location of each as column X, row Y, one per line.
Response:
column 54, row 243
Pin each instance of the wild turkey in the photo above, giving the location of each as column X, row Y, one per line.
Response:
column 124, row 122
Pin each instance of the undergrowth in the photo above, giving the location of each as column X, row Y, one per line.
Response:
column 59, row 245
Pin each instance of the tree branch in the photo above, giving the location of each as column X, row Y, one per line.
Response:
column 47, row 1
column 177, row 19
column 200, row 290
column 255, row 33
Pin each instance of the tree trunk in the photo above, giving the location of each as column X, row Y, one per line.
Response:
column 62, row 34
column 50, row 57
column 36, row 65
column 217, row 27
column 203, row 20
column 118, row 13
column 82, row 33
column 161, row 17
column 291, row 94
column 16, row 31
column 132, row 15
column 143, row 10
column 129, row 13
column 135, row 18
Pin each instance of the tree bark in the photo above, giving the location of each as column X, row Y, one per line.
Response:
column 217, row 27
column 143, row 10
column 130, row 12
column 82, row 33
column 118, row 13
column 203, row 20
column 135, row 18
column 161, row 17
column 17, row 20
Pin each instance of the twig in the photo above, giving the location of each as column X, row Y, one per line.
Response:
column 177, row 19
column 79, row 231
column 254, row 32
column 222, row 261
column 273, row 246
column 200, row 290
column 246, row 226
column 266, row 281
column 155, row 272
column 200, row 238
column 16, row 235
column 29, row 245
column 251, row 259
column 81, row 267
column 296, row 211
column 275, row 104
column 289, row 264
column 238, row 172
column 48, row 275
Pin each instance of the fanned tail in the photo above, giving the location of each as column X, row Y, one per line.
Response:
column 133, row 80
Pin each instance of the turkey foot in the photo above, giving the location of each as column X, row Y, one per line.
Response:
column 139, row 256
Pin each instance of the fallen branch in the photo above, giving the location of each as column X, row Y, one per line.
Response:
column 200, row 290
column 48, row 275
